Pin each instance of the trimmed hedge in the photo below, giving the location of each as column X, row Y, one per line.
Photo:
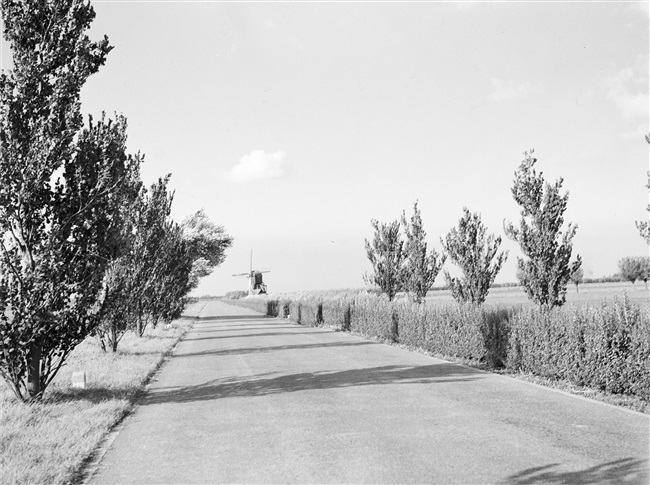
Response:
column 606, row 347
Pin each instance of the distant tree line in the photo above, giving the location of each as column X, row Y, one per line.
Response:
column 85, row 247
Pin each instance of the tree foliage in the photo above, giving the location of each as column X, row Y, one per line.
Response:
column 207, row 243
column 148, row 283
column 421, row 267
column 386, row 254
column 636, row 268
column 55, row 230
column 546, row 268
column 160, row 260
column 476, row 255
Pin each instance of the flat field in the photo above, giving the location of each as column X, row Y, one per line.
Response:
column 589, row 294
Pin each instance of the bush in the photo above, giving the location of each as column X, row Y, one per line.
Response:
column 295, row 312
column 607, row 348
column 337, row 313
column 236, row 295
column 284, row 308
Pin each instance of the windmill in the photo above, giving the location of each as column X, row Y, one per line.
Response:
column 255, row 284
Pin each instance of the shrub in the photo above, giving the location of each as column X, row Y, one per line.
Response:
column 337, row 313
column 284, row 308
column 272, row 308
column 607, row 348
column 295, row 312
column 372, row 316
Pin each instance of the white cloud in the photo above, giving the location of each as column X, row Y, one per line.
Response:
column 627, row 91
column 502, row 91
column 259, row 165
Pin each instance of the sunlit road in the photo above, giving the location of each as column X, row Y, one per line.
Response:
column 255, row 400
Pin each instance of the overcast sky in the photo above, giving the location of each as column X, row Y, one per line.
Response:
column 295, row 124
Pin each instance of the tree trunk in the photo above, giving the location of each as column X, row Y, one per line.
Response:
column 34, row 370
column 113, row 338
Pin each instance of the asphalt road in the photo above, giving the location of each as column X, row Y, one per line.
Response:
column 256, row 400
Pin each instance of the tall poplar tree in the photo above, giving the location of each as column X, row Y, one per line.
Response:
column 546, row 268
column 422, row 266
column 54, row 227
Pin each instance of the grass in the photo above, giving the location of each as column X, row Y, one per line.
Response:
column 588, row 294
column 50, row 441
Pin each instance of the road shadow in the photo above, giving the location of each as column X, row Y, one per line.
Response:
column 249, row 335
column 233, row 328
column 627, row 470
column 261, row 385
column 258, row 350
column 220, row 318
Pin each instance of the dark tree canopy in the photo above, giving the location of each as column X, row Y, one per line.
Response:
column 55, row 231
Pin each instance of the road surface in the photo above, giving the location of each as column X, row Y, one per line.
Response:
column 247, row 399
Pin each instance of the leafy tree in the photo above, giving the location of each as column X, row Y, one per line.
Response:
column 207, row 244
column 54, row 229
column 172, row 277
column 422, row 267
column 469, row 248
column 546, row 268
column 644, row 226
column 386, row 254
column 116, row 315
column 576, row 277
column 149, row 262
column 634, row 268
column 149, row 282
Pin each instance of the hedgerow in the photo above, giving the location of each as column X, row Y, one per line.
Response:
column 605, row 347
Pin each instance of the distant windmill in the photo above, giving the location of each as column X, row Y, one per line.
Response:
column 255, row 284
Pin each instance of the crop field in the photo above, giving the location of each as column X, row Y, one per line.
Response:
column 589, row 294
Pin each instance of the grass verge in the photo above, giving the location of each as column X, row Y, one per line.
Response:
column 50, row 441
